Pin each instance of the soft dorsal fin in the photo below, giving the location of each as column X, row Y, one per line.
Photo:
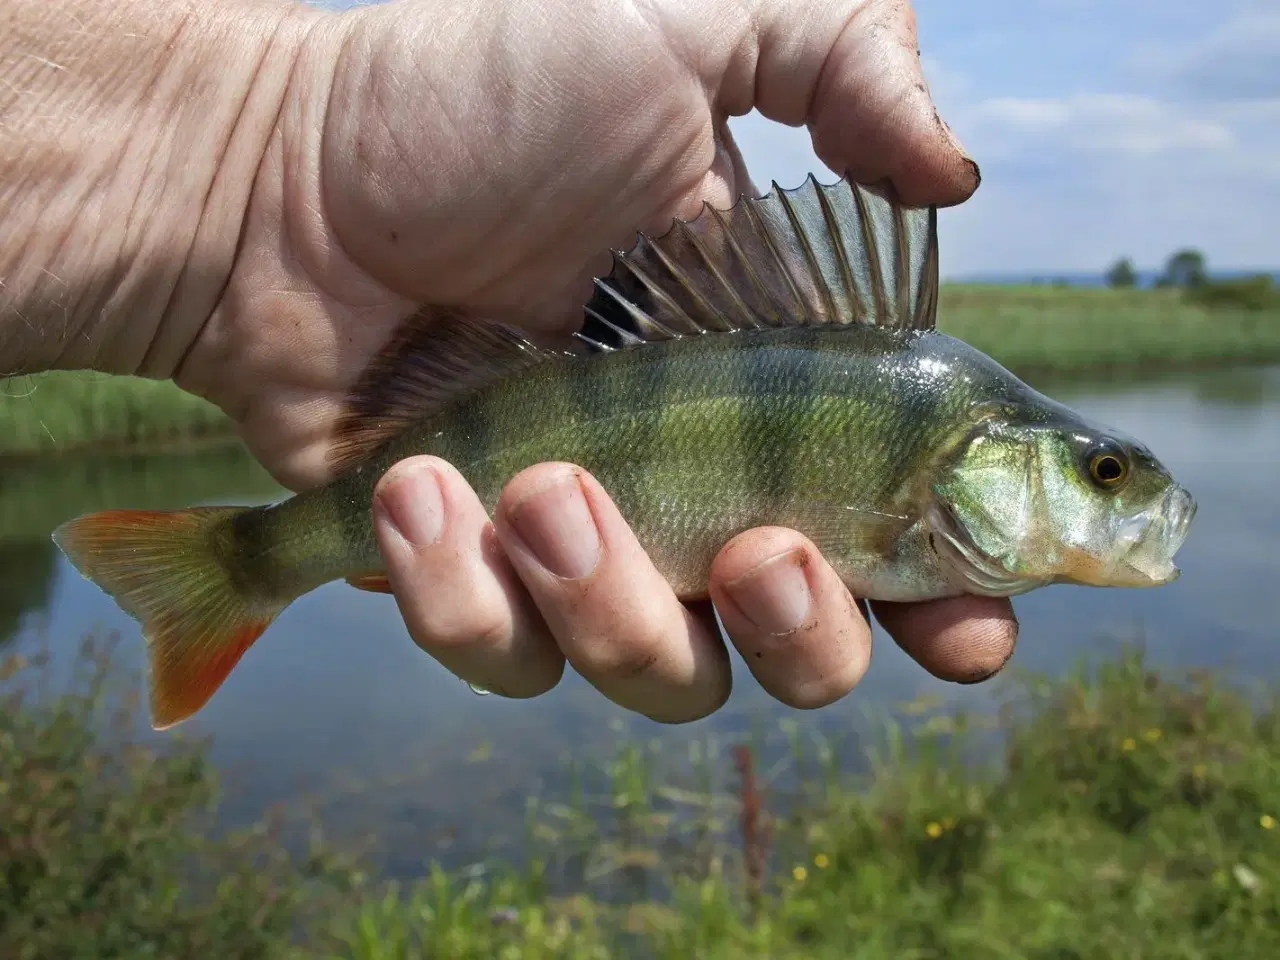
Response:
column 436, row 356
column 817, row 254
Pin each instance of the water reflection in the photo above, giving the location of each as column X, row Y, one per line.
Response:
column 336, row 705
column 37, row 495
column 1249, row 391
column 26, row 582
column 1245, row 389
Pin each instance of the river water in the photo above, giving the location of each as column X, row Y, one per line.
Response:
column 336, row 707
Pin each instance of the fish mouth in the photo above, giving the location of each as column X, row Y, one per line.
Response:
column 1148, row 541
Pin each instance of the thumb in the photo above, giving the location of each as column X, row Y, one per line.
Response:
column 850, row 71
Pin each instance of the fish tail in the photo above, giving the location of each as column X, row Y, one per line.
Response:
column 172, row 571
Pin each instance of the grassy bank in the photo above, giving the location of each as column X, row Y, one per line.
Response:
column 1037, row 329
column 1032, row 329
column 61, row 412
column 1128, row 815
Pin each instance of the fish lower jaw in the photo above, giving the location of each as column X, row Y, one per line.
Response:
column 1139, row 575
column 1126, row 581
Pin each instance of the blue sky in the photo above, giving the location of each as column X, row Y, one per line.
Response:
column 1102, row 128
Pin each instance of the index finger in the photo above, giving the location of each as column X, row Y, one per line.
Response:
column 850, row 71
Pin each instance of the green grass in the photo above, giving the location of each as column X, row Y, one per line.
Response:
column 1125, row 814
column 1033, row 328
column 105, row 846
column 1047, row 328
column 1130, row 817
column 62, row 412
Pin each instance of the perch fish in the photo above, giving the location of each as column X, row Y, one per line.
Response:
column 774, row 363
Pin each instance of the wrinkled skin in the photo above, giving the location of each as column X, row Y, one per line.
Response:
column 485, row 156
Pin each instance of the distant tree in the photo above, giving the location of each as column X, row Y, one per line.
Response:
column 1122, row 274
column 1186, row 268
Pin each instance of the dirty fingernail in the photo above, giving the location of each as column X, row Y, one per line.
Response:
column 414, row 505
column 555, row 523
column 774, row 595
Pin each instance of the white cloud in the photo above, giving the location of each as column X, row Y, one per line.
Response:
column 1239, row 60
column 1177, row 145
column 1071, row 183
column 1123, row 123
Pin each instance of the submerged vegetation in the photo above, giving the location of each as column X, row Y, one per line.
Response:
column 1030, row 328
column 1124, row 813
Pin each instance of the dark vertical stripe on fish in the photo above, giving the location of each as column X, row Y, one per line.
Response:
column 352, row 512
column 471, row 425
column 246, row 547
column 588, row 392
column 776, row 388
column 644, row 392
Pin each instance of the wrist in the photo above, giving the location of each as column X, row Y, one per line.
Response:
column 134, row 132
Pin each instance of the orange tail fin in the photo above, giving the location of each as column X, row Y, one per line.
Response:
column 161, row 568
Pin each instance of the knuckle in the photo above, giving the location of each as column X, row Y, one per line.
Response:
column 474, row 626
column 622, row 656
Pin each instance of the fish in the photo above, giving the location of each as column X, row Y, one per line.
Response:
column 778, row 362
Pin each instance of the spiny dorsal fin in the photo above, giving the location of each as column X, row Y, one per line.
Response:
column 817, row 254
column 435, row 357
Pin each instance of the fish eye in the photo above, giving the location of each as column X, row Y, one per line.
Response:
column 1108, row 466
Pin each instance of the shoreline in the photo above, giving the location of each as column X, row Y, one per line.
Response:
column 1036, row 331
column 178, row 443
column 1125, row 810
column 226, row 435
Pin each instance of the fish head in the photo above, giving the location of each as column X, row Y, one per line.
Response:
column 1037, row 499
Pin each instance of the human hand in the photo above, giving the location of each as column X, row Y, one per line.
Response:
column 485, row 156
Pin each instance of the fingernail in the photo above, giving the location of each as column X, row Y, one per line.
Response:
column 976, row 170
column 555, row 522
column 415, row 506
column 971, row 163
column 774, row 595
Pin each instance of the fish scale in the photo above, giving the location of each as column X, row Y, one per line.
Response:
column 776, row 363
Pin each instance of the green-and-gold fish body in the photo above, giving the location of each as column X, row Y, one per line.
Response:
column 772, row 364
